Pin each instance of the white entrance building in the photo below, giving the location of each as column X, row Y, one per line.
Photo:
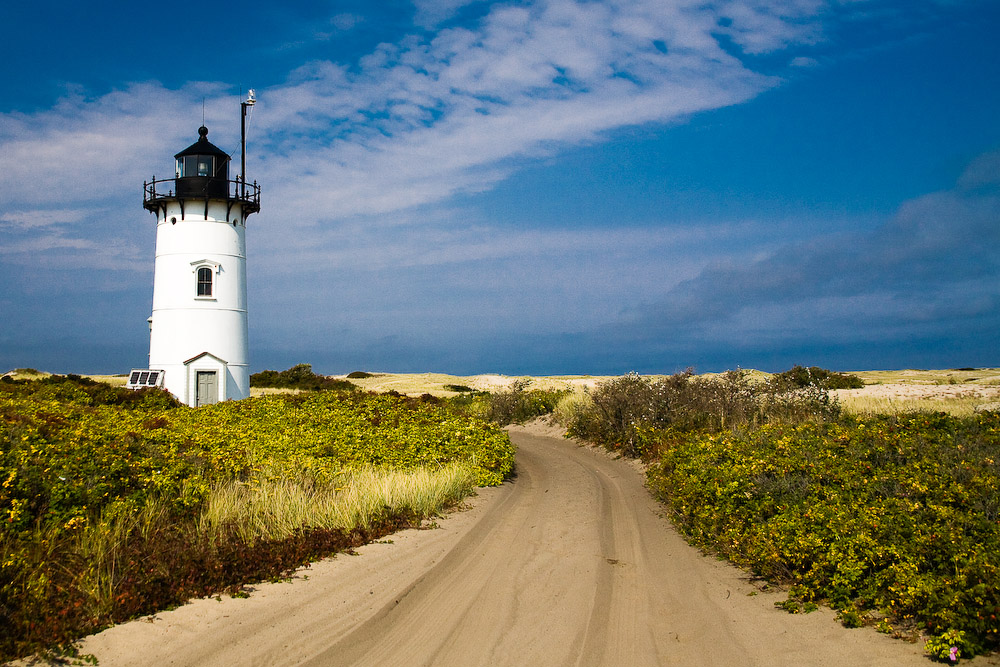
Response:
column 198, row 329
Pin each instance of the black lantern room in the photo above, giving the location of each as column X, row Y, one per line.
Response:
column 202, row 169
column 201, row 173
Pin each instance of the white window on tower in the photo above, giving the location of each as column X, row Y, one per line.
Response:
column 203, row 273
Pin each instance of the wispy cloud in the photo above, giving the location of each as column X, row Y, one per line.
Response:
column 415, row 122
column 418, row 121
column 39, row 218
column 89, row 149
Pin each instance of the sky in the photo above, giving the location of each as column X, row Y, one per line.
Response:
column 530, row 187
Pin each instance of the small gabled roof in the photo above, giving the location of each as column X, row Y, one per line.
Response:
column 203, row 354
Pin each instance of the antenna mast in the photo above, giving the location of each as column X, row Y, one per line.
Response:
column 249, row 102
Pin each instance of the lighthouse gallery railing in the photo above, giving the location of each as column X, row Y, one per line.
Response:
column 156, row 192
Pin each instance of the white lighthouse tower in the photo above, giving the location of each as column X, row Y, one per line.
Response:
column 198, row 330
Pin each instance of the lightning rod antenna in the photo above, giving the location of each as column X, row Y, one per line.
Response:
column 249, row 102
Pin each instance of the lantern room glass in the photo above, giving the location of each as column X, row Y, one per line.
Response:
column 195, row 165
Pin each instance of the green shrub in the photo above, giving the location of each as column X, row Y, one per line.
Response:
column 359, row 375
column 299, row 377
column 85, row 391
column 518, row 404
column 800, row 376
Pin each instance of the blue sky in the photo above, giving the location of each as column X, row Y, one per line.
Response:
column 543, row 186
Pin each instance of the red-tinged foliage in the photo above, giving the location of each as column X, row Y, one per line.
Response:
column 172, row 564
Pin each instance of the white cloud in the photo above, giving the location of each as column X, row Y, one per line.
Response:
column 412, row 123
column 35, row 219
column 415, row 122
column 803, row 62
column 425, row 119
column 760, row 26
column 86, row 149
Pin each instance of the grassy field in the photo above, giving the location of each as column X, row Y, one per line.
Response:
column 957, row 392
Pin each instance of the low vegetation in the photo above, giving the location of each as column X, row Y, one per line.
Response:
column 518, row 404
column 299, row 377
column 892, row 520
column 630, row 413
column 116, row 503
column 800, row 376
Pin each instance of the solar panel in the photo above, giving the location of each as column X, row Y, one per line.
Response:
column 142, row 377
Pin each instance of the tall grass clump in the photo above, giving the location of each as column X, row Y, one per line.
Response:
column 571, row 406
column 275, row 508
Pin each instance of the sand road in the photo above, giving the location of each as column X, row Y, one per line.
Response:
column 570, row 564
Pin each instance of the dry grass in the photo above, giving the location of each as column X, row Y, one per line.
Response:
column 26, row 374
column 888, row 392
column 959, row 403
column 264, row 391
column 979, row 376
column 955, row 391
column 273, row 508
column 265, row 510
column 113, row 380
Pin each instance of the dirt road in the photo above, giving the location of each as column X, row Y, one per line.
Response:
column 571, row 564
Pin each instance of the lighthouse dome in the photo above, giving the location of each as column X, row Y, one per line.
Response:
column 202, row 169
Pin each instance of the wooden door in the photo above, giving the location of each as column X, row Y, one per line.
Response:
column 207, row 388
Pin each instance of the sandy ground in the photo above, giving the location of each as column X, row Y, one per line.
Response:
column 946, row 397
column 570, row 564
column 904, row 391
column 437, row 383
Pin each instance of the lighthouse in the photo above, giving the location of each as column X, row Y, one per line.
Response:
column 198, row 333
